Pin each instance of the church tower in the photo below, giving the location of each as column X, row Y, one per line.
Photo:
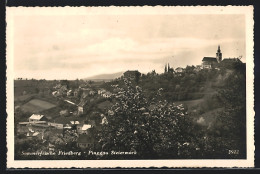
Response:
column 219, row 55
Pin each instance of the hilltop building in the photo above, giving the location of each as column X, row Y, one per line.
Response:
column 216, row 62
column 132, row 74
column 209, row 62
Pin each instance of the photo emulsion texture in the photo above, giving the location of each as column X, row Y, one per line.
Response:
column 108, row 87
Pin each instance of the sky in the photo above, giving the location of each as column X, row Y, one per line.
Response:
column 81, row 46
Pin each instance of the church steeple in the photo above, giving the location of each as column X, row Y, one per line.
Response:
column 219, row 54
column 165, row 69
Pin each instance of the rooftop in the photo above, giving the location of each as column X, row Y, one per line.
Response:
column 209, row 59
column 36, row 117
column 86, row 127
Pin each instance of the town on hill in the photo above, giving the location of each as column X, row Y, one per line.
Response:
column 192, row 112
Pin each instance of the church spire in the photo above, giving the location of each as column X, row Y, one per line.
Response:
column 219, row 54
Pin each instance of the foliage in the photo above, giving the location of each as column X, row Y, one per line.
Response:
column 233, row 118
column 151, row 128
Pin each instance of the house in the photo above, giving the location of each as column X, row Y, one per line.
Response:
column 104, row 93
column 85, row 141
column 107, row 94
column 82, row 107
column 132, row 74
column 37, row 118
column 179, row 70
column 82, row 128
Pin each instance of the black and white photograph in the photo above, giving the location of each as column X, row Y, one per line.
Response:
column 168, row 86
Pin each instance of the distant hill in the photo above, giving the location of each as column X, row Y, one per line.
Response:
column 105, row 76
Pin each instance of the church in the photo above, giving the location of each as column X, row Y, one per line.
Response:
column 209, row 62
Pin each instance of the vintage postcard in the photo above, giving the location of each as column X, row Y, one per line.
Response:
column 105, row 87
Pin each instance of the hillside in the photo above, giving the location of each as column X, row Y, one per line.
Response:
column 105, row 76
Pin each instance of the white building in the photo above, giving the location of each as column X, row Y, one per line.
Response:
column 83, row 128
column 36, row 118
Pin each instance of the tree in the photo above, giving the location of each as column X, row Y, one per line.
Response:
column 233, row 118
column 151, row 128
column 137, row 77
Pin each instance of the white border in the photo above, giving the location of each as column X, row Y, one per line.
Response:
column 16, row 11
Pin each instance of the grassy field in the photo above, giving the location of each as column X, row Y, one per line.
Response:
column 207, row 118
column 23, row 98
column 36, row 106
